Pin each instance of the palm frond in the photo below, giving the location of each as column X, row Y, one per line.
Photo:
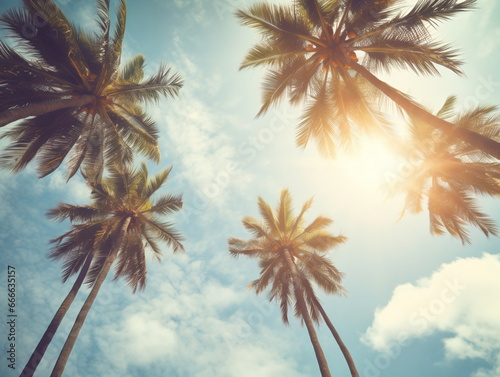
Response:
column 76, row 214
column 119, row 34
column 318, row 224
column 317, row 123
column 434, row 11
column 277, row 23
column 138, row 131
column 422, row 58
column 59, row 32
column 267, row 214
column 285, row 212
column 268, row 54
column 276, row 83
column 166, row 205
column 317, row 11
column 133, row 71
column 446, row 111
column 299, row 219
column 44, row 137
column 267, row 273
column 161, row 84
column 323, row 272
column 250, row 224
column 131, row 261
column 166, row 233
column 239, row 247
column 154, row 183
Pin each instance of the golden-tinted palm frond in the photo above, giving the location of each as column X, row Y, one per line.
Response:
column 272, row 55
column 385, row 53
column 284, row 211
column 277, row 23
column 317, row 123
column 283, row 234
column 448, row 175
column 310, row 49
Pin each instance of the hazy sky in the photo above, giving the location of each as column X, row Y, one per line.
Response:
column 416, row 306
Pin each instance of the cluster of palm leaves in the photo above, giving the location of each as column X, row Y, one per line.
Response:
column 66, row 97
column 447, row 174
column 291, row 255
column 83, row 106
column 323, row 54
column 70, row 99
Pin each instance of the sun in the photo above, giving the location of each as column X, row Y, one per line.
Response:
column 370, row 166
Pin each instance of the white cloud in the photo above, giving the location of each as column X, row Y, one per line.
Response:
column 460, row 298
column 195, row 324
column 199, row 134
column 74, row 190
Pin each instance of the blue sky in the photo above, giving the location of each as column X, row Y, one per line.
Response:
column 417, row 305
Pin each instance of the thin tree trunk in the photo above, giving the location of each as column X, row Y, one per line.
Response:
column 82, row 315
column 40, row 349
column 338, row 339
column 9, row 116
column 299, row 296
column 473, row 138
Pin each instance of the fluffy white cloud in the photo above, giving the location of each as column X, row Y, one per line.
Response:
column 460, row 298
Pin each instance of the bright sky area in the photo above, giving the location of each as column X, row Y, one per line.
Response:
column 416, row 306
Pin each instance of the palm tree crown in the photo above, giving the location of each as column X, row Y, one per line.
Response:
column 290, row 255
column 448, row 175
column 312, row 49
column 281, row 233
column 85, row 108
column 124, row 196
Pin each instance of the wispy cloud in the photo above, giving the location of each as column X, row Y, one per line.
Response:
column 190, row 324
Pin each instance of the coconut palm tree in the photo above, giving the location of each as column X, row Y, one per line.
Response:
column 121, row 222
column 312, row 49
column 72, row 99
column 446, row 174
column 290, row 256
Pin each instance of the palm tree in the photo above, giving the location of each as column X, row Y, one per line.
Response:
column 312, row 50
column 447, row 174
column 81, row 107
column 290, row 255
column 121, row 222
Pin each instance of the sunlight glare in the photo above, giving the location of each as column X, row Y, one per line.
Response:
column 369, row 167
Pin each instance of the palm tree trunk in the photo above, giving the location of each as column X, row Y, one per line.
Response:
column 299, row 295
column 9, row 116
column 82, row 315
column 42, row 345
column 473, row 138
column 338, row 339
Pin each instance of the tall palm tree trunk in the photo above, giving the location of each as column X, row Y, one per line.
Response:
column 9, row 116
column 82, row 315
column 473, row 138
column 299, row 295
column 44, row 342
column 338, row 339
